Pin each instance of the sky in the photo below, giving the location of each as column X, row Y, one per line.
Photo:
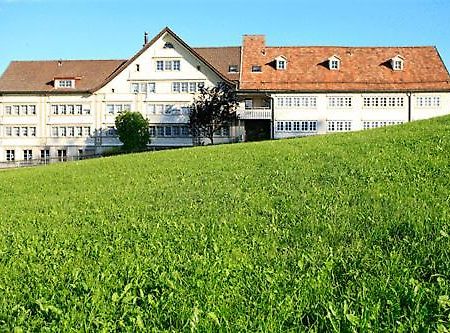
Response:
column 101, row 29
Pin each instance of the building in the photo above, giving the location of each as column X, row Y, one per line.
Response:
column 60, row 109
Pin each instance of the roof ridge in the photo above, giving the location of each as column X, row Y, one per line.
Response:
column 215, row 47
column 68, row 60
column 355, row 47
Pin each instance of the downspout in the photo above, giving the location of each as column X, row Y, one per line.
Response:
column 409, row 106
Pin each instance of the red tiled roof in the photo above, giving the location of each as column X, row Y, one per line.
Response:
column 361, row 69
column 38, row 76
column 221, row 58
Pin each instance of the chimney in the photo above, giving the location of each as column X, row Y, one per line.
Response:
column 255, row 44
column 145, row 38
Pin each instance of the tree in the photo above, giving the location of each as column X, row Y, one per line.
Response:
column 213, row 109
column 132, row 129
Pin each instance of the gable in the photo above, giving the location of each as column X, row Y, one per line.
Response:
column 143, row 66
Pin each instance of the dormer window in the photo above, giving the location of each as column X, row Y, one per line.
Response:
column 397, row 63
column 281, row 63
column 334, row 63
column 256, row 69
column 232, row 69
column 168, row 45
column 64, row 83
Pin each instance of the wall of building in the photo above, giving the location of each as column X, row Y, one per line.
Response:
column 162, row 107
column 363, row 112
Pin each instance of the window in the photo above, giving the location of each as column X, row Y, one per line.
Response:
column 397, row 65
column 117, row 108
column 428, row 101
column 71, row 131
column 10, row 155
column 334, row 64
column 176, row 130
column 32, row 109
column 288, row 102
column 233, row 69
column 168, row 45
column 8, row 131
column 87, row 131
column 339, row 102
column 256, row 69
column 380, row 123
column 297, row 126
column 184, row 131
column 168, row 65
column 16, row 131
column 382, row 102
column 65, row 83
column 110, row 108
column 151, row 87
column 20, row 110
column 24, row 131
column 339, row 125
column 142, row 87
column 184, row 87
column 176, row 87
column 62, row 155
column 62, row 131
column 27, row 154
column 152, row 131
column 281, row 64
column 135, row 88
column 32, row 131
column 55, row 131
column 45, row 154
column 297, row 102
column 192, row 87
column 137, row 67
column 248, row 104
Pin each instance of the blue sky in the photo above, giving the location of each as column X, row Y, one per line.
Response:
column 113, row 29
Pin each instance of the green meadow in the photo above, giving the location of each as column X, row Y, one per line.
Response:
column 346, row 232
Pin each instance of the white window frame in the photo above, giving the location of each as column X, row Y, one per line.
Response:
column 65, row 83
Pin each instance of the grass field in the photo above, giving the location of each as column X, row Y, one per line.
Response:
column 346, row 232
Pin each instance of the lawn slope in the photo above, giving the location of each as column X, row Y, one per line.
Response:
column 340, row 232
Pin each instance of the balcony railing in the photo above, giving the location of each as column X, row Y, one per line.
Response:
column 255, row 113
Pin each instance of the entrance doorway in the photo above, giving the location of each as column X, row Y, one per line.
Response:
column 257, row 130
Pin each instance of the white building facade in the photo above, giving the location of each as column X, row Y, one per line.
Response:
column 66, row 109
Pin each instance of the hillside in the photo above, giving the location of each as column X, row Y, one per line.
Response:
column 341, row 232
